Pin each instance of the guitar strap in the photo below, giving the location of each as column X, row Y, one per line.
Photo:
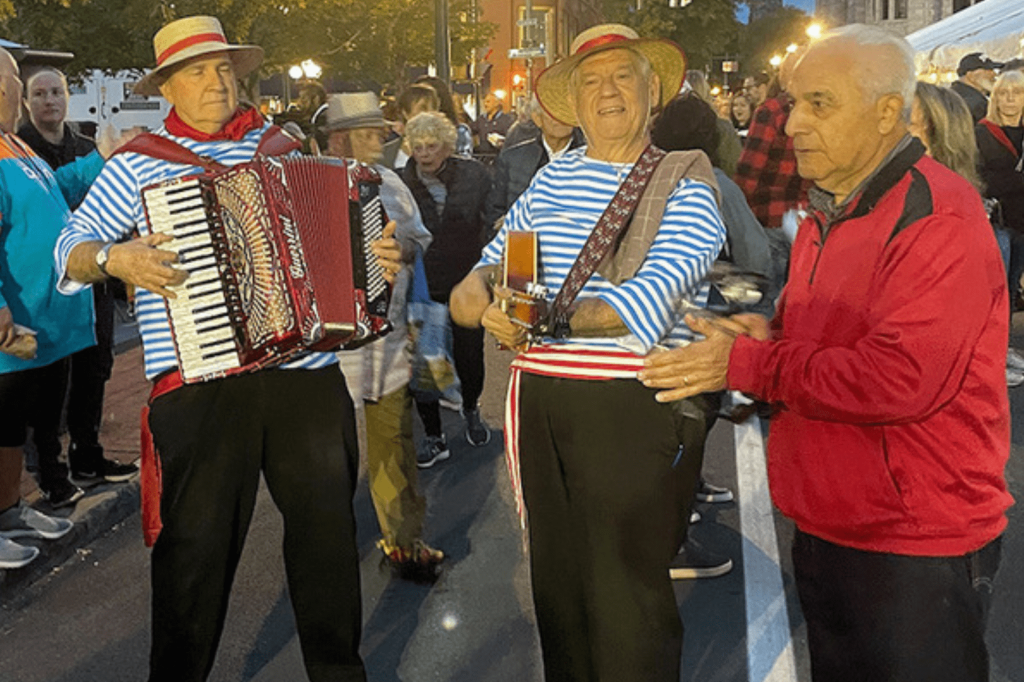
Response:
column 604, row 237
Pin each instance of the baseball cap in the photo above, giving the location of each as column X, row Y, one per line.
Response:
column 975, row 61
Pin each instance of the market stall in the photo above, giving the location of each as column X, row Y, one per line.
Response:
column 992, row 27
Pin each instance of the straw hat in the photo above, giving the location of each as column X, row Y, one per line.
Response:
column 190, row 37
column 353, row 110
column 667, row 60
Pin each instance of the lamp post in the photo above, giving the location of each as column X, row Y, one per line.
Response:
column 442, row 47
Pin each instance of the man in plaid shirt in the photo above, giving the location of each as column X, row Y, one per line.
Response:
column 766, row 171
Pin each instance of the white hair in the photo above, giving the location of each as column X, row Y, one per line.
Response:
column 881, row 71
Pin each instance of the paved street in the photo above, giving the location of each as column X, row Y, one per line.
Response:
column 86, row 621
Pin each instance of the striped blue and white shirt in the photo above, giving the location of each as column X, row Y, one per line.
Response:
column 563, row 204
column 112, row 210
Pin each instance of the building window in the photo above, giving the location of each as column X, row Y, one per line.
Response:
column 885, row 9
column 899, row 9
column 961, row 4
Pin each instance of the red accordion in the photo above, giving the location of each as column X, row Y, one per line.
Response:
column 279, row 261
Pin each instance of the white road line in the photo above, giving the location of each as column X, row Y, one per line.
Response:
column 770, row 655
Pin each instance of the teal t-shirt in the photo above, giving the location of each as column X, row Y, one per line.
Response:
column 33, row 210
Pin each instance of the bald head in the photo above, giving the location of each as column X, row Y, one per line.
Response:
column 10, row 92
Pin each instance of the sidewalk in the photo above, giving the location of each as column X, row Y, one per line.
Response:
column 103, row 505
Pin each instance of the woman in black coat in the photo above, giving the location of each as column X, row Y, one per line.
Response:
column 452, row 196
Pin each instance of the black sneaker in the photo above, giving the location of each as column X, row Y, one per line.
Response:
column 107, row 471
column 477, row 431
column 707, row 492
column 693, row 561
column 62, row 493
column 434, row 450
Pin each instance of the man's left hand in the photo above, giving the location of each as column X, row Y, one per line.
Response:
column 388, row 252
column 108, row 141
column 700, row 367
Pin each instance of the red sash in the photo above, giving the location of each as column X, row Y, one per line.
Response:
column 150, row 479
column 1000, row 136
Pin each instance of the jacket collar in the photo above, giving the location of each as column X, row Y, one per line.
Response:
column 892, row 169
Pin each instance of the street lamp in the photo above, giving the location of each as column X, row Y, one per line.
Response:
column 295, row 72
column 814, row 31
column 791, row 48
column 775, row 61
column 311, row 69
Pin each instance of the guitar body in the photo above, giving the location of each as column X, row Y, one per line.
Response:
column 528, row 305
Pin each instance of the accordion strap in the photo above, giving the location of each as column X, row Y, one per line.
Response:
column 274, row 142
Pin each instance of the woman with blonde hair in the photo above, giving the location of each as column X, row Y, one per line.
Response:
column 1000, row 136
column 941, row 120
column 451, row 193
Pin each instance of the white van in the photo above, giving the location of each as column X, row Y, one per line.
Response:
column 100, row 100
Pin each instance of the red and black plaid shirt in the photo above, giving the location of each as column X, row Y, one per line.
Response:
column 766, row 171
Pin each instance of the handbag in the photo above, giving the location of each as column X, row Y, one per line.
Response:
column 430, row 336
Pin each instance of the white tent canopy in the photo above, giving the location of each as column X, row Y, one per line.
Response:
column 993, row 27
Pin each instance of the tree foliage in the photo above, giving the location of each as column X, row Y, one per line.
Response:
column 770, row 35
column 708, row 28
column 704, row 28
column 361, row 40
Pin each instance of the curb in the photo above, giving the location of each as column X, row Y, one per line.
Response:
column 104, row 506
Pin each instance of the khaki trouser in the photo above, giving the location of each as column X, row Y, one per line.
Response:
column 391, row 463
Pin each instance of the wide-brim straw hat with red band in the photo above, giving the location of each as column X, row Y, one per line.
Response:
column 183, row 39
column 666, row 58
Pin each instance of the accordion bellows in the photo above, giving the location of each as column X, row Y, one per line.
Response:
column 278, row 256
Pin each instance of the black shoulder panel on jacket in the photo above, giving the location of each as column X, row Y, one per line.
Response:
column 917, row 203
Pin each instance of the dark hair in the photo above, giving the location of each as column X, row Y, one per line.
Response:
column 688, row 122
column 760, row 78
column 444, row 96
column 413, row 94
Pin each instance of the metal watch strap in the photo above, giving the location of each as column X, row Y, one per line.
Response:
column 602, row 239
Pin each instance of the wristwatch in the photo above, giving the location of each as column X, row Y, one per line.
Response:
column 102, row 256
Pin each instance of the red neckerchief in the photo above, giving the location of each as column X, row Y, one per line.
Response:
column 1000, row 135
column 241, row 123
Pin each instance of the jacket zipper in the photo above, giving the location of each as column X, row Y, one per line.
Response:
column 820, row 243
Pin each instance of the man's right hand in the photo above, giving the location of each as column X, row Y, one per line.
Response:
column 496, row 321
column 141, row 263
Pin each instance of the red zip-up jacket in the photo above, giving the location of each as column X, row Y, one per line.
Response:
column 888, row 369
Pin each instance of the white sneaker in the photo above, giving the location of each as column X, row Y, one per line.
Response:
column 1014, row 377
column 22, row 521
column 1014, row 359
column 13, row 555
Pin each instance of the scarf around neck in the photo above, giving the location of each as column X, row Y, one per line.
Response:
column 243, row 121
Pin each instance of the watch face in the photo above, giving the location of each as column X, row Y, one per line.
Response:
column 101, row 257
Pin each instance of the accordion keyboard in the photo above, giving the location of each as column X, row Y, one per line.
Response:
column 200, row 311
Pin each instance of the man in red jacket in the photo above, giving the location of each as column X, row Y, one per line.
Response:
column 885, row 365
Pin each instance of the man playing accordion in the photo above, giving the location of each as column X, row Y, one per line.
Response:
column 293, row 423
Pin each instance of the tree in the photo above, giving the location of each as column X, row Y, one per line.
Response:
column 703, row 28
column 362, row 40
column 770, row 36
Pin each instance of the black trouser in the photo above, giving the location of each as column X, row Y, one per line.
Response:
column 468, row 349
column 1016, row 268
column 882, row 617
column 34, row 398
column 214, row 439
column 604, row 478
column 90, row 371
